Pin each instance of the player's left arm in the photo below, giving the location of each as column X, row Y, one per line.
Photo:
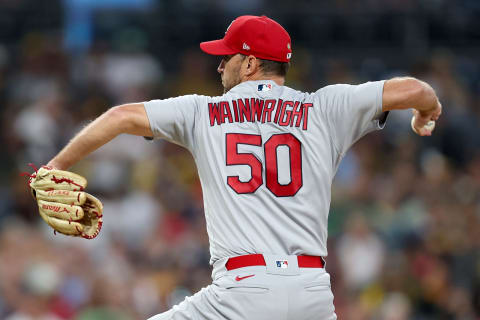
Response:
column 411, row 93
column 127, row 118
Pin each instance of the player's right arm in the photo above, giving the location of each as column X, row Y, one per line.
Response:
column 127, row 118
column 411, row 93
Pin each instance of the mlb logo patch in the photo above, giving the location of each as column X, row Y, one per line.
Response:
column 264, row 87
column 282, row 264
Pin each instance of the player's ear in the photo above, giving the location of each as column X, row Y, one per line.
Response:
column 251, row 65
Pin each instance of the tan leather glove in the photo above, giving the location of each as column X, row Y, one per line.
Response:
column 64, row 205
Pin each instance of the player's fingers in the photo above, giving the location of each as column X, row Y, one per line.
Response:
column 437, row 112
column 422, row 125
column 422, row 132
column 421, row 121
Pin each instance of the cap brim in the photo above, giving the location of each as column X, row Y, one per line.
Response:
column 216, row 48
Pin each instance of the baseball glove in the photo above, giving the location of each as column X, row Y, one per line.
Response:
column 64, row 205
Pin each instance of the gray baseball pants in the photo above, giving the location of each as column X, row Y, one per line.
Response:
column 279, row 291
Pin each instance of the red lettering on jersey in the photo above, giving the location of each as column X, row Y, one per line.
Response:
column 235, row 110
column 284, row 121
column 214, row 113
column 257, row 110
column 225, row 106
column 269, row 106
column 257, row 107
column 279, row 108
column 305, row 117
column 271, row 165
column 244, row 110
column 297, row 114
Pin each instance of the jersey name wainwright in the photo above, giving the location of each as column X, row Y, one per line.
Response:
column 283, row 113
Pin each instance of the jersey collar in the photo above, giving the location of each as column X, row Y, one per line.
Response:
column 256, row 85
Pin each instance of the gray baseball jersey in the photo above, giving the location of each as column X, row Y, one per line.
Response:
column 266, row 156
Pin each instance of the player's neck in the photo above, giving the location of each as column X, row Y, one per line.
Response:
column 255, row 77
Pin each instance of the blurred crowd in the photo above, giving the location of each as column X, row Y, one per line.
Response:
column 405, row 216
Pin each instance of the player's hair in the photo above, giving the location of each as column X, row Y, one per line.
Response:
column 277, row 68
column 270, row 67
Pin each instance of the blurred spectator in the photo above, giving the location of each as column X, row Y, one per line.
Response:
column 360, row 253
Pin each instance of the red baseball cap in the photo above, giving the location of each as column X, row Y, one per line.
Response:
column 252, row 35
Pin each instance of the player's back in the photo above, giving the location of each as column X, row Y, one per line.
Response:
column 266, row 156
column 266, row 164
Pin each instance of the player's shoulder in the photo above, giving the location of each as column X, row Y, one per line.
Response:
column 333, row 88
column 183, row 99
column 196, row 97
column 196, row 100
column 343, row 87
column 294, row 92
column 315, row 95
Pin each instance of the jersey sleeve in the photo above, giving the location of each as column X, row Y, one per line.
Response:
column 352, row 111
column 173, row 119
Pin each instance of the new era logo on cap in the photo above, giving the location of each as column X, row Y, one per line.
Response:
column 252, row 35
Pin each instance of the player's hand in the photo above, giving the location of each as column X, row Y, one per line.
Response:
column 423, row 123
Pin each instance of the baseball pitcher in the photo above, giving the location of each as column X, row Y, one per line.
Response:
column 266, row 155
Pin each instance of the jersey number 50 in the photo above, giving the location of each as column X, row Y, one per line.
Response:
column 233, row 157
